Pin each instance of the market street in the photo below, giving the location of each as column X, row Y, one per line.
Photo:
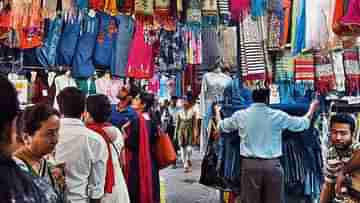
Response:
column 184, row 187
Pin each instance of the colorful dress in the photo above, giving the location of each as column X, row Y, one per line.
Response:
column 184, row 130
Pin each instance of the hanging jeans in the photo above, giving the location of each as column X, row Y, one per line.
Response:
column 262, row 181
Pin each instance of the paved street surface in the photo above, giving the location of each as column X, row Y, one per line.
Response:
column 184, row 187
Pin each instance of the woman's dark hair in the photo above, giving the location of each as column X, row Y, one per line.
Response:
column 71, row 102
column 261, row 95
column 9, row 106
column 345, row 119
column 36, row 115
column 99, row 108
column 148, row 100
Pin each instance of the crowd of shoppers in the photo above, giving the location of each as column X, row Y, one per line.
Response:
column 76, row 155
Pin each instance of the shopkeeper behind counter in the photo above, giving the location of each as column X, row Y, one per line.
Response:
column 260, row 129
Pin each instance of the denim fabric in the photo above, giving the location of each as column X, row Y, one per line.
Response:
column 103, row 49
column 68, row 42
column 120, row 48
column 302, row 162
column 47, row 53
column 83, row 66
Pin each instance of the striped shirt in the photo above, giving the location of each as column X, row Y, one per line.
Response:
column 336, row 160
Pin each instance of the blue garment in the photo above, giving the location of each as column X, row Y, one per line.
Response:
column 300, row 29
column 47, row 53
column 258, row 8
column 178, row 85
column 126, row 28
column 68, row 42
column 163, row 92
column 262, row 139
column 286, row 90
column 120, row 118
column 83, row 66
column 103, row 47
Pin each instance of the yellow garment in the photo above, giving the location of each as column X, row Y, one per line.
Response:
column 111, row 7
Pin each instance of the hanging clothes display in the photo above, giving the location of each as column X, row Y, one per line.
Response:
column 68, row 41
column 47, row 53
column 252, row 55
column 224, row 11
column 285, row 35
column 210, row 47
column 105, row 39
column 83, row 66
column 172, row 55
column 284, row 67
column 120, row 48
column 352, row 71
column 304, row 72
column 191, row 36
column 298, row 31
column 239, row 9
column 140, row 62
column 228, row 43
column 352, row 17
column 209, row 12
column 325, row 79
column 338, row 68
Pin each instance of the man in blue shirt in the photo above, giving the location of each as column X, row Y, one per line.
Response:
column 260, row 129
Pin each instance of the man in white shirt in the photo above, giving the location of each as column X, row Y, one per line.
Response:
column 83, row 151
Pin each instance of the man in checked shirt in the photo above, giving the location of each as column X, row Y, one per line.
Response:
column 342, row 159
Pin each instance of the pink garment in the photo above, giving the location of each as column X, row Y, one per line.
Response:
column 109, row 88
column 238, row 8
column 154, row 84
column 353, row 15
column 141, row 61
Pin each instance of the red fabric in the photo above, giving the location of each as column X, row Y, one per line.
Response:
column 353, row 15
column 141, row 61
column 191, row 81
column 110, row 174
column 127, row 7
column 304, row 69
column 287, row 18
column 146, row 192
column 238, row 8
column 97, row 4
column 337, row 27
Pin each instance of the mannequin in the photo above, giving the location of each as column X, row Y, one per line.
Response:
column 212, row 90
column 87, row 85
